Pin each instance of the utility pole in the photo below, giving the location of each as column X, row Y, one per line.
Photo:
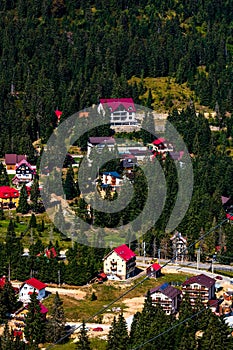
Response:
column 158, row 255
column 59, row 278
column 198, row 258
column 144, row 252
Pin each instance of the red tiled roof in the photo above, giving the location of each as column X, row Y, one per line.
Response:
column 114, row 103
column 154, row 267
column 124, row 252
column 159, row 141
column 8, row 192
column 224, row 199
column 43, row 309
column 202, row 279
column 35, row 283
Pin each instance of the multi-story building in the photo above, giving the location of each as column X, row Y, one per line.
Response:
column 122, row 111
column 30, row 286
column 200, row 287
column 120, row 263
column 179, row 246
column 167, row 297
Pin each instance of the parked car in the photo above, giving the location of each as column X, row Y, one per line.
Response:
column 218, row 277
column 98, row 329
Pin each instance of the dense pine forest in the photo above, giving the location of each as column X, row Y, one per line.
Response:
column 68, row 54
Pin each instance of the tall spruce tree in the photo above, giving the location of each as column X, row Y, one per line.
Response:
column 55, row 328
column 118, row 338
column 84, row 342
column 34, row 330
column 23, row 206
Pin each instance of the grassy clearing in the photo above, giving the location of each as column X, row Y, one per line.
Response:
column 167, row 94
column 96, row 344
column 77, row 310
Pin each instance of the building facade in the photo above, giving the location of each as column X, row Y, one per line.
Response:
column 167, row 297
column 201, row 287
column 120, row 263
column 30, row 286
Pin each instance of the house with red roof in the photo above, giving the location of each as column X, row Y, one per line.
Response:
column 167, row 296
column 122, row 111
column 8, row 196
column 120, row 263
column 154, row 270
column 24, row 172
column 199, row 287
column 30, row 286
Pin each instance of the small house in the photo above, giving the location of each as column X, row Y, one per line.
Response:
column 154, row 270
column 30, row 286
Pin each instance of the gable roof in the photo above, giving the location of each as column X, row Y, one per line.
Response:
column 166, row 289
column 35, row 283
column 24, row 162
column 154, row 267
column 12, row 158
column 115, row 103
column 112, row 173
column 159, row 141
column 102, row 139
column 201, row 279
column 124, row 252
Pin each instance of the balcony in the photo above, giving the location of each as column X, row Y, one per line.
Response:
column 113, row 262
column 113, row 268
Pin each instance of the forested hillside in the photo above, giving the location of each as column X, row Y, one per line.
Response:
column 68, row 54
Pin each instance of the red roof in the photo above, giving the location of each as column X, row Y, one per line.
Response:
column 159, row 141
column 43, row 309
column 35, row 283
column 154, row 267
column 124, row 252
column 8, row 192
column 51, row 253
column 202, row 279
column 115, row 103
column 58, row 113
column 2, row 281
column 24, row 161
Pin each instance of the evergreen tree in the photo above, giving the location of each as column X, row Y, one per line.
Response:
column 83, row 343
column 56, row 325
column 7, row 341
column 34, row 324
column 35, row 196
column 118, row 338
column 4, row 179
column 23, row 206
column 69, row 184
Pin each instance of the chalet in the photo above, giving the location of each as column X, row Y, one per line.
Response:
column 24, row 173
column 122, row 111
column 99, row 143
column 120, row 263
column 30, row 286
column 8, row 196
column 167, row 297
column 154, row 270
column 11, row 159
column 128, row 162
column 199, row 287
column 161, row 146
column 179, row 246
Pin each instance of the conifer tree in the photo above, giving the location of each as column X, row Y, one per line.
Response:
column 34, row 324
column 35, row 195
column 7, row 341
column 4, row 179
column 83, row 343
column 9, row 297
column 118, row 338
column 23, row 206
column 56, row 325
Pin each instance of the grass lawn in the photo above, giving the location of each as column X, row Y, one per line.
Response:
column 96, row 344
column 78, row 310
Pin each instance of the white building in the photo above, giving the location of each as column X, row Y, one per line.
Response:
column 167, row 297
column 120, row 263
column 122, row 111
column 30, row 286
